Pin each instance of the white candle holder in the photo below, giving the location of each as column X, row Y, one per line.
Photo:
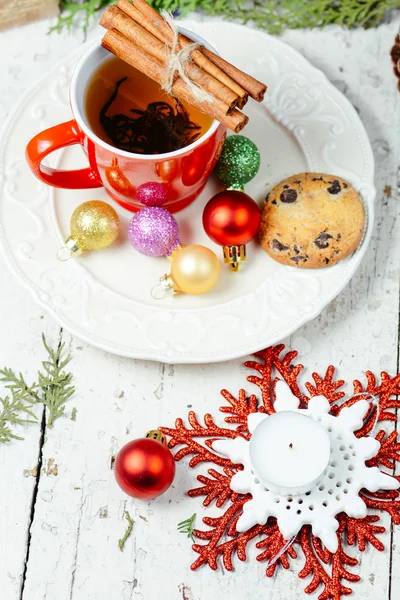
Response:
column 334, row 492
column 303, row 448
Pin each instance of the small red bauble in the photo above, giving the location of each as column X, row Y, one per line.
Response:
column 144, row 468
column 231, row 218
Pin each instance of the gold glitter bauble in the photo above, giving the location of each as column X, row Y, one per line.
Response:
column 94, row 225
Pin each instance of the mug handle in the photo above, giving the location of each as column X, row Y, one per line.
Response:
column 44, row 143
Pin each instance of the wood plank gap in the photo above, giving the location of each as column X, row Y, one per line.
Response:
column 34, row 498
column 78, row 535
column 390, row 561
column 394, row 469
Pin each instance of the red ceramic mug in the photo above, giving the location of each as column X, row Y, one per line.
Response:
column 176, row 177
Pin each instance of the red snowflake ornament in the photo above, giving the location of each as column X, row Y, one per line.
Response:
column 221, row 539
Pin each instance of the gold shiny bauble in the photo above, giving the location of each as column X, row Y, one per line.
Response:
column 194, row 270
column 155, row 434
column 94, row 225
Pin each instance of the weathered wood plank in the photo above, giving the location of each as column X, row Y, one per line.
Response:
column 29, row 53
column 21, row 325
column 359, row 330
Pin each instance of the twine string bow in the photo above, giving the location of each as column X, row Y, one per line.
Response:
column 177, row 60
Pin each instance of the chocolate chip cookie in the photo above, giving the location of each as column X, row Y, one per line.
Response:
column 311, row 220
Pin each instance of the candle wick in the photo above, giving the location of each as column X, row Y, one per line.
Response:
column 290, row 445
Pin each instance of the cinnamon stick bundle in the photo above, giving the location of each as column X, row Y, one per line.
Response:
column 137, row 57
column 144, row 39
column 114, row 18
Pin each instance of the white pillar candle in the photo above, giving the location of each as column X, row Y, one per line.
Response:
column 290, row 452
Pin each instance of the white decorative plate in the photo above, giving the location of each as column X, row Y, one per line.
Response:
column 104, row 297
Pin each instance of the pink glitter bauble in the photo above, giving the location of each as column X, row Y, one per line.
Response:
column 154, row 231
column 152, row 193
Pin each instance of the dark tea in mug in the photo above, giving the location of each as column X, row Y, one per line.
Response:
column 131, row 112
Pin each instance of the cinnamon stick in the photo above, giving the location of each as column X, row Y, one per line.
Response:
column 150, row 19
column 114, row 18
column 255, row 88
column 128, row 51
column 159, row 31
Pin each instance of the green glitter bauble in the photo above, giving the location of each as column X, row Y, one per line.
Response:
column 239, row 162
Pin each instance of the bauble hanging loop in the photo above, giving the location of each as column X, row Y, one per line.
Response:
column 94, row 225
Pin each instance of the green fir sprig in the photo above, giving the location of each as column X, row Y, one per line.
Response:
column 53, row 389
column 18, row 384
column 271, row 15
column 55, row 383
column 122, row 541
column 187, row 526
column 71, row 12
column 14, row 411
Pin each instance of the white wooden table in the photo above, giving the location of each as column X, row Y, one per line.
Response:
column 59, row 531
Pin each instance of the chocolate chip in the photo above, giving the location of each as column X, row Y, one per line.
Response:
column 285, row 187
column 288, row 196
column 345, row 185
column 317, row 179
column 322, row 240
column 274, row 202
column 267, row 198
column 296, row 250
column 276, row 244
column 326, row 261
column 339, row 236
column 297, row 181
column 335, row 187
column 297, row 259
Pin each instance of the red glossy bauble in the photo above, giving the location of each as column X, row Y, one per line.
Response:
column 144, row 468
column 231, row 218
